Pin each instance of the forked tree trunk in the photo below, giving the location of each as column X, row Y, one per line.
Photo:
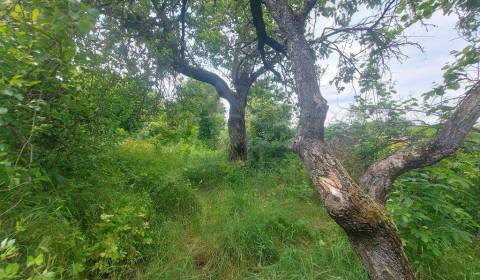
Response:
column 367, row 224
column 359, row 210
column 237, row 132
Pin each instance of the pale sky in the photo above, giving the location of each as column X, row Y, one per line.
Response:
column 418, row 73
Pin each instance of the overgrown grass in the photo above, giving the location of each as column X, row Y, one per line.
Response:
column 183, row 212
column 248, row 224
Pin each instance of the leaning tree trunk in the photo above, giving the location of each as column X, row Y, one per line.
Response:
column 367, row 224
column 236, row 129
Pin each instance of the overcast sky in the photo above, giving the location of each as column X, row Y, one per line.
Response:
column 419, row 71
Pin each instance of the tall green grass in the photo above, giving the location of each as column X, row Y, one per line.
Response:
column 145, row 211
column 251, row 224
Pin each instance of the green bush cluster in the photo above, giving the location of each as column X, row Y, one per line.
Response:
column 105, row 225
column 436, row 210
column 194, row 116
column 269, row 126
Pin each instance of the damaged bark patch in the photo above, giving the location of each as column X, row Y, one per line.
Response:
column 331, row 188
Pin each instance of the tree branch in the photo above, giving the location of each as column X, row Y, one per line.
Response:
column 256, row 74
column 305, row 11
column 180, row 64
column 379, row 177
column 359, row 27
column 206, row 76
column 183, row 13
column 263, row 38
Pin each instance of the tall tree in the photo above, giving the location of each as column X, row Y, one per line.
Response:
column 357, row 208
column 178, row 32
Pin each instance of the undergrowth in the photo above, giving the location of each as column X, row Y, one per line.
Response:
column 145, row 211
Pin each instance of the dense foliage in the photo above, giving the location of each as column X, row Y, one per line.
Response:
column 195, row 115
column 269, row 126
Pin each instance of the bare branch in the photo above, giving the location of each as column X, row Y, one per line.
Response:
column 389, row 6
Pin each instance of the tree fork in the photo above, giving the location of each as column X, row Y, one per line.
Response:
column 366, row 223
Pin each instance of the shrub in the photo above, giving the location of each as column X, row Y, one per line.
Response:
column 269, row 128
column 120, row 234
column 433, row 207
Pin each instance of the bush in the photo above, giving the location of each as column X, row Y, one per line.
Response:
column 269, row 127
column 120, row 234
column 433, row 207
column 194, row 116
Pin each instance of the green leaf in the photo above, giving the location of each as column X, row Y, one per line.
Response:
column 3, row 110
column 37, row 261
column 12, row 269
column 35, row 14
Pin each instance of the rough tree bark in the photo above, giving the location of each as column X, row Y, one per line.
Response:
column 363, row 217
column 367, row 224
column 236, row 128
